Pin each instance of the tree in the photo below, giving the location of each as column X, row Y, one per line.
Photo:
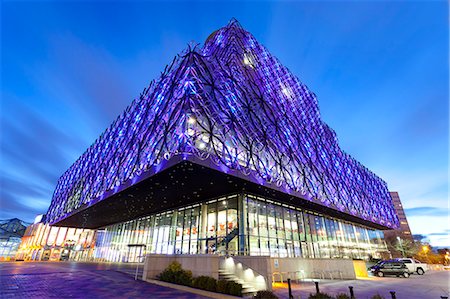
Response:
column 401, row 247
column 408, row 248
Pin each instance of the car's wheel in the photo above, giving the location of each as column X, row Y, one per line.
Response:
column 406, row 275
column 420, row 271
column 380, row 274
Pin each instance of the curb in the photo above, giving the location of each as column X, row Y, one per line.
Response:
column 191, row 290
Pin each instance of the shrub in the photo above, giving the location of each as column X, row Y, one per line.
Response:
column 234, row 288
column 211, row 284
column 229, row 287
column 320, row 296
column 184, row 278
column 175, row 274
column 342, row 296
column 199, row 282
column 265, row 295
column 222, row 286
column 377, row 296
column 205, row 283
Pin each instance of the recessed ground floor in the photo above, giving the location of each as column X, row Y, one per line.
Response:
column 239, row 224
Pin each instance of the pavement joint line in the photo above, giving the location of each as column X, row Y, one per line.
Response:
column 191, row 290
column 45, row 273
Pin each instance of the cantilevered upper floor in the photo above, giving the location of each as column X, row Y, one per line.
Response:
column 221, row 118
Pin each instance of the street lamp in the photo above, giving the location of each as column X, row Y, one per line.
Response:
column 401, row 246
column 425, row 249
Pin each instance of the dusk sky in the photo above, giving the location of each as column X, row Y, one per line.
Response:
column 379, row 70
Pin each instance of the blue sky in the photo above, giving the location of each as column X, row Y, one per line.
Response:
column 379, row 69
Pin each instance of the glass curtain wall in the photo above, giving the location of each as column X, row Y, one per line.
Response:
column 207, row 228
column 241, row 224
column 281, row 230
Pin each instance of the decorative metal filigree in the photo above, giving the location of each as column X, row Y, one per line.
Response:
column 234, row 104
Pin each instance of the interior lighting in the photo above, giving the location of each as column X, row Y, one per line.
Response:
column 191, row 120
column 286, row 91
column 248, row 60
column 205, row 138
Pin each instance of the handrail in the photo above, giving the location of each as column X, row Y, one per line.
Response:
column 229, row 237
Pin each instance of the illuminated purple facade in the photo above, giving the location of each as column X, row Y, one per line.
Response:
column 229, row 106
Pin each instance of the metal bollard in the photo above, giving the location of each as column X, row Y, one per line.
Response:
column 352, row 295
column 317, row 287
column 393, row 294
column 289, row 288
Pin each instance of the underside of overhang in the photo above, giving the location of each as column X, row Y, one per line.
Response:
column 181, row 184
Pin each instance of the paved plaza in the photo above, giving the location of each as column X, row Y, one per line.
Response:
column 111, row 280
column 77, row 280
column 433, row 284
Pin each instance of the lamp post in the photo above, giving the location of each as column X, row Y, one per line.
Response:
column 401, row 246
column 425, row 249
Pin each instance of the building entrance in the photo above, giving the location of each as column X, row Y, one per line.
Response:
column 135, row 253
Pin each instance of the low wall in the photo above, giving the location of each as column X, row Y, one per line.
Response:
column 436, row 267
column 272, row 269
column 295, row 268
column 202, row 264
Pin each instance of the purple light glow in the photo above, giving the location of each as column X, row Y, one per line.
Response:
column 245, row 112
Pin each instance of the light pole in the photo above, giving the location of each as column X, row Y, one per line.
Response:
column 401, row 246
column 425, row 249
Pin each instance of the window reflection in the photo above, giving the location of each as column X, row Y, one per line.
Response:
column 214, row 227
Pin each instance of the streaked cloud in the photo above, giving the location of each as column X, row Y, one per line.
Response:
column 380, row 71
column 427, row 211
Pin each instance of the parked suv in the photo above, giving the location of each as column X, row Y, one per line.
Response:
column 390, row 268
column 414, row 266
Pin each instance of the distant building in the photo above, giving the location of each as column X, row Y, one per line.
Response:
column 11, row 232
column 42, row 242
column 403, row 231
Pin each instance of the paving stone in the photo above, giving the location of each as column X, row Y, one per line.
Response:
column 84, row 280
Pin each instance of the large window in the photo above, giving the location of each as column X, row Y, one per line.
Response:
column 240, row 224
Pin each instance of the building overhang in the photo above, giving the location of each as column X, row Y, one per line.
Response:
column 181, row 181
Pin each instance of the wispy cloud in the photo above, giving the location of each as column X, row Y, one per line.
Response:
column 65, row 81
column 427, row 211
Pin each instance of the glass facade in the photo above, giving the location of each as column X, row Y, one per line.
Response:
column 11, row 232
column 42, row 242
column 239, row 224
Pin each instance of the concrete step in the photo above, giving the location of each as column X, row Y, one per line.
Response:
column 227, row 275
column 247, row 286
column 247, row 289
